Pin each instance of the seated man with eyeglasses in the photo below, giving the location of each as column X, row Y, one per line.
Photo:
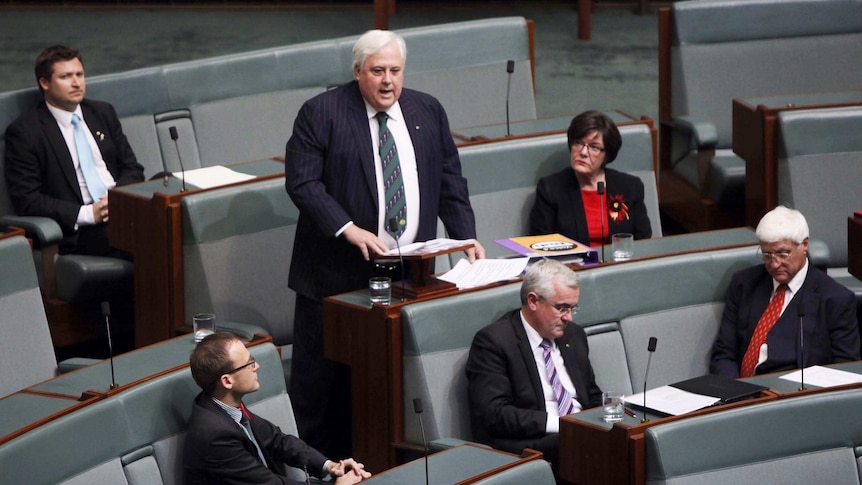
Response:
column 532, row 366
column 764, row 305
column 226, row 443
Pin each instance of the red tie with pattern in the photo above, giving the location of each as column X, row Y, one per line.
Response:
column 764, row 325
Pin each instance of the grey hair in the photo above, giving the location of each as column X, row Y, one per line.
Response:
column 372, row 41
column 540, row 277
column 782, row 223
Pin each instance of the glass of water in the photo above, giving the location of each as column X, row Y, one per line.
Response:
column 612, row 406
column 622, row 246
column 204, row 324
column 381, row 289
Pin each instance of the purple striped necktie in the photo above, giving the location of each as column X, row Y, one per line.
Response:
column 564, row 398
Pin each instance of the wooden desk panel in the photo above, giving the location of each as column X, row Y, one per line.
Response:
column 595, row 452
column 854, row 246
column 756, row 140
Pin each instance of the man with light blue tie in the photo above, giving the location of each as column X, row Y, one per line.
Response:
column 63, row 156
column 532, row 366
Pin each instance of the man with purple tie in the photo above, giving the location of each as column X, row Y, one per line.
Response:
column 532, row 366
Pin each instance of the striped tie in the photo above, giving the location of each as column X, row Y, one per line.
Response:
column 95, row 185
column 393, row 183
column 564, row 398
column 764, row 325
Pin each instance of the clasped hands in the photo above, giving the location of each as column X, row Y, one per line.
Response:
column 100, row 210
column 347, row 471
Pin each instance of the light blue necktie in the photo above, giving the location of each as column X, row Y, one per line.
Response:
column 94, row 183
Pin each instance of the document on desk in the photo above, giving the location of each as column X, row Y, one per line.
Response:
column 670, row 400
column 484, row 272
column 209, row 177
column 429, row 247
column 824, row 376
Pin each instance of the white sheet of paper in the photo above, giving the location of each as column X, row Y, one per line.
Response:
column 484, row 271
column 824, row 376
column 670, row 400
column 428, row 247
column 209, row 177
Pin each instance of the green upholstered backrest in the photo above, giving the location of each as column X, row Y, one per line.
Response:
column 808, row 439
column 726, row 49
column 819, row 169
column 26, row 350
column 236, row 254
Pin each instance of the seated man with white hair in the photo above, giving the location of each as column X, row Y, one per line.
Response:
column 759, row 330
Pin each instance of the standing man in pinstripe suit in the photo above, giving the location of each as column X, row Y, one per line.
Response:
column 347, row 194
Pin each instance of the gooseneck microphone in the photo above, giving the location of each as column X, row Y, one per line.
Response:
column 174, row 137
column 417, row 408
column 393, row 228
column 651, row 348
column 600, row 188
column 510, row 68
column 106, row 312
column 800, row 311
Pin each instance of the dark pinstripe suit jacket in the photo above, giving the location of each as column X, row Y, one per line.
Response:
column 329, row 168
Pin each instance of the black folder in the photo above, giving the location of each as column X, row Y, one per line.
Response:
column 724, row 388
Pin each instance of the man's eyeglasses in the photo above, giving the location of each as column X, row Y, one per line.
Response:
column 562, row 308
column 250, row 362
column 780, row 256
column 593, row 150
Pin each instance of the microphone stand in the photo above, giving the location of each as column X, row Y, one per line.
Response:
column 106, row 312
column 510, row 68
column 800, row 311
column 600, row 188
column 651, row 349
column 417, row 408
column 393, row 228
column 174, row 137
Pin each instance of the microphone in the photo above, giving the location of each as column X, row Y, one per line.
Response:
column 800, row 311
column 510, row 68
column 600, row 188
column 417, row 408
column 106, row 312
column 174, row 137
column 651, row 348
column 393, row 228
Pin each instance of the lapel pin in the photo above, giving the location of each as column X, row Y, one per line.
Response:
column 100, row 135
column 567, row 346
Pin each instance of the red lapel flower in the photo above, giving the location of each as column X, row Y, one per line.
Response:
column 617, row 208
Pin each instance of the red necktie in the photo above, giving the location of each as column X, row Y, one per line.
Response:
column 764, row 325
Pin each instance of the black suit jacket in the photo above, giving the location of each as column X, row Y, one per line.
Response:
column 40, row 173
column 831, row 332
column 329, row 168
column 217, row 450
column 507, row 405
column 559, row 208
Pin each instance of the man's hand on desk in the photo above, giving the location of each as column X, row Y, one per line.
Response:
column 476, row 252
column 348, row 471
column 367, row 242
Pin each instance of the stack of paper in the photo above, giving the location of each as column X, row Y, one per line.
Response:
column 484, row 272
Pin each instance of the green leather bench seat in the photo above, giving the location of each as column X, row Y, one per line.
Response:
column 621, row 308
column 135, row 436
column 236, row 258
column 770, row 52
column 810, row 439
